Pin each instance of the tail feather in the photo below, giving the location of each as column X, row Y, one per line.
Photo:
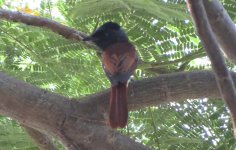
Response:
column 118, row 106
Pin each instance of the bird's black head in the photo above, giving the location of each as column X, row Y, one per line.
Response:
column 107, row 34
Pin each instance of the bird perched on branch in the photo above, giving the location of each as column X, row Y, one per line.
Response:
column 119, row 60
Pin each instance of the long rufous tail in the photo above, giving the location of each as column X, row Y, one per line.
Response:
column 118, row 116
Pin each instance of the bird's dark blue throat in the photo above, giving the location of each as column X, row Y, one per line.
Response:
column 107, row 35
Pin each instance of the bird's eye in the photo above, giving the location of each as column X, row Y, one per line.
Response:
column 106, row 34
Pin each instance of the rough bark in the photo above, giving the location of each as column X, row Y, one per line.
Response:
column 82, row 124
column 223, row 77
column 223, row 27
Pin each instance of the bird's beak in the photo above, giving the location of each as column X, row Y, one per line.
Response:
column 89, row 38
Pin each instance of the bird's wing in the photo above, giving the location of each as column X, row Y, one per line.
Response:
column 119, row 59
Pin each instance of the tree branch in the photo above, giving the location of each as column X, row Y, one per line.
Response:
column 223, row 77
column 189, row 57
column 162, row 89
column 42, row 140
column 66, row 32
column 60, row 117
column 80, row 124
column 56, row 27
column 223, row 27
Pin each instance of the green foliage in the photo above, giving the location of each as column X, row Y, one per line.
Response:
column 230, row 6
column 193, row 124
column 12, row 137
column 166, row 42
column 1, row 2
column 160, row 9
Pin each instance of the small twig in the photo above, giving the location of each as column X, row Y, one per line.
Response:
column 96, row 26
column 49, row 8
column 147, row 65
column 223, row 77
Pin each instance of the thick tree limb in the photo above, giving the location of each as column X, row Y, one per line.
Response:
column 223, row 27
column 56, row 115
column 161, row 89
column 223, row 77
column 80, row 124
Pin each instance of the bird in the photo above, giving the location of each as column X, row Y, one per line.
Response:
column 119, row 61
